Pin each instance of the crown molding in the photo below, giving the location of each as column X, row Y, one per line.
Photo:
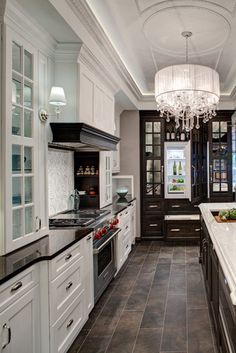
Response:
column 67, row 52
column 91, row 24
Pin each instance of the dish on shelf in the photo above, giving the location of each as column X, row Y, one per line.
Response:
column 122, row 192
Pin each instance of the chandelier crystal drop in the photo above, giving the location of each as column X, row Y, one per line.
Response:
column 187, row 92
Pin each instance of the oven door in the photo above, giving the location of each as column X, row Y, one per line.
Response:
column 104, row 265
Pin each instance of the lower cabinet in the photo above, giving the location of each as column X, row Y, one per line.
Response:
column 123, row 239
column 222, row 310
column 19, row 316
column 182, row 229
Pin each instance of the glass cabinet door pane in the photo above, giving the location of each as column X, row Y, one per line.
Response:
column 157, row 165
column 28, row 123
column 29, row 220
column 16, row 91
column 148, row 139
column 157, row 177
column 148, row 127
column 16, row 159
column 16, row 120
column 148, row 151
column 28, row 190
column 28, row 159
column 157, row 151
column 149, row 165
column 149, row 177
column 156, row 139
column 17, row 216
column 215, row 126
column 16, row 191
column 28, row 64
column 27, row 95
column 16, row 57
column 149, row 189
column 157, row 127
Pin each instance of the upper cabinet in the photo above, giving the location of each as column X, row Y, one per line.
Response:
column 116, row 154
column 96, row 102
column 20, row 143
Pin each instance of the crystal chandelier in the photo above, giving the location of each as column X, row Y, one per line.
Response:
column 187, row 92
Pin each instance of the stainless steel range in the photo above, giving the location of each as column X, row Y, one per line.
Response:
column 104, row 235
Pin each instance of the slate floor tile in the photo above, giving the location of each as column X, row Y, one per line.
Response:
column 148, row 341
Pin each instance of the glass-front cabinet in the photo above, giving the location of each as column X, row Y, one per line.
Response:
column 220, row 158
column 22, row 223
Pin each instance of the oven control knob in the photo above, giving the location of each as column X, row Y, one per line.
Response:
column 104, row 231
column 111, row 225
column 117, row 221
column 98, row 235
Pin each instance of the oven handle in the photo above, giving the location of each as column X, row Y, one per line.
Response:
column 96, row 251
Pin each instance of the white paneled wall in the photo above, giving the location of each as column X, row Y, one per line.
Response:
column 60, row 180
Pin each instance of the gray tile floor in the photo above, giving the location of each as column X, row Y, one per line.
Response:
column 156, row 304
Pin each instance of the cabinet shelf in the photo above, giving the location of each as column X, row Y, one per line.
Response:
column 87, row 176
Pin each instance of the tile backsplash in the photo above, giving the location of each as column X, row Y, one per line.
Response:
column 60, row 180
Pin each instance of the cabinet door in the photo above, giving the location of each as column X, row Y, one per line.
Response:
column 88, row 275
column 214, row 287
column 105, row 181
column 20, row 127
column 220, row 158
column 20, row 325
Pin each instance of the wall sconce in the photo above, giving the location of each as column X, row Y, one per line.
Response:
column 57, row 98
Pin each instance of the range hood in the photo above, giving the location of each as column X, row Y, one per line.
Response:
column 80, row 136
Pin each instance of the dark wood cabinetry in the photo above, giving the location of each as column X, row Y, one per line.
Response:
column 223, row 312
column 220, row 157
column 152, row 174
column 211, row 172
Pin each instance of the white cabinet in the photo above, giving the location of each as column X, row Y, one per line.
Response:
column 19, row 316
column 20, row 143
column 133, row 229
column 123, row 241
column 105, row 180
column 116, row 154
column 71, row 295
column 96, row 102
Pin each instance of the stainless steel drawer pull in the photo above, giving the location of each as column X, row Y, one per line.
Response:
column 5, row 326
column 175, row 230
column 89, row 238
column 175, row 206
column 68, row 256
column 70, row 284
column 16, row 286
column 153, row 206
column 70, row 323
column 153, row 225
column 197, row 229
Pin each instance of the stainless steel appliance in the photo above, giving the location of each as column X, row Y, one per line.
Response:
column 104, row 235
column 104, row 256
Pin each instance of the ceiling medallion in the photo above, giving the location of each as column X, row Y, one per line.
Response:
column 187, row 92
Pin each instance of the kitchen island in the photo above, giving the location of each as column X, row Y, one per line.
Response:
column 218, row 259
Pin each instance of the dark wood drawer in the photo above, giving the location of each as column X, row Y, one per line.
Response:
column 154, row 206
column 152, row 226
column 183, row 229
column 180, row 206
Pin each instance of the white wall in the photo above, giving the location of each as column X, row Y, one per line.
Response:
column 60, row 180
column 130, row 153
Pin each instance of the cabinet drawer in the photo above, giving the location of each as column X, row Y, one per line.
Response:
column 154, row 206
column 65, row 288
column 65, row 259
column 126, row 247
column 181, row 206
column 183, row 229
column 68, row 326
column 13, row 289
column 152, row 226
column 124, row 217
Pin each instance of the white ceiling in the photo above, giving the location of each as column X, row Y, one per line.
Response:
column 147, row 35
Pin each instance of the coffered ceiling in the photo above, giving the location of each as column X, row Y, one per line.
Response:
column 146, row 34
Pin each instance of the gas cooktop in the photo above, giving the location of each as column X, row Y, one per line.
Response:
column 81, row 218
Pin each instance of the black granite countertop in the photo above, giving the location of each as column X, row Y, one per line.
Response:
column 119, row 204
column 45, row 248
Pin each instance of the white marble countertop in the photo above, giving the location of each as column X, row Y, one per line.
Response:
column 223, row 236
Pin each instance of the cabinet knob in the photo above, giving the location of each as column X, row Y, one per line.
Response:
column 70, row 323
column 70, row 284
column 89, row 238
column 126, row 227
column 16, row 286
column 5, row 326
column 68, row 256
